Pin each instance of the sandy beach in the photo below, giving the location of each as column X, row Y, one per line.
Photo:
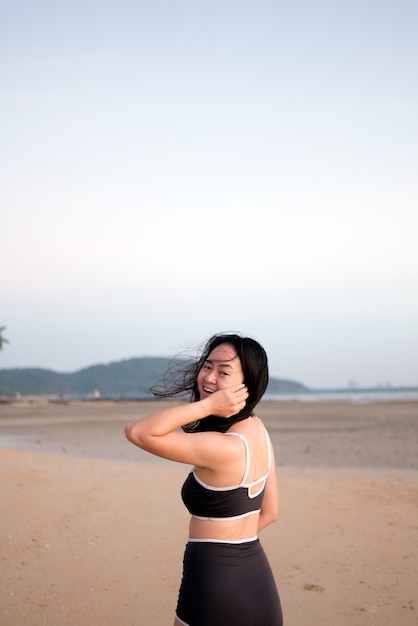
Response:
column 93, row 529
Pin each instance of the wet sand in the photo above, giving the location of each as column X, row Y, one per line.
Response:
column 93, row 529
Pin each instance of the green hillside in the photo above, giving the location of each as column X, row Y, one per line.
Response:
column 129, row 378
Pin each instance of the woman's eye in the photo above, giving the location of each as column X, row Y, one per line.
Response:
column 224, row 373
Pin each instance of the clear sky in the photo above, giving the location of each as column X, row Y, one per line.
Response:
column 171, row 169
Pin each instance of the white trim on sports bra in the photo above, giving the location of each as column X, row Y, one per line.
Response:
column 262, row 480
column 227, row 519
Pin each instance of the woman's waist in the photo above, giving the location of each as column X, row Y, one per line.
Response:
column 221, row 530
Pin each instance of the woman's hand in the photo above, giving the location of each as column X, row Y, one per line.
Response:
column 227, row 402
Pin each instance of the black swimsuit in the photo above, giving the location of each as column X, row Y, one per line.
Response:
column 227, row 582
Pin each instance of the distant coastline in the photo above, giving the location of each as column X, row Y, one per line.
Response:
column 131, row 380
column 125, row 380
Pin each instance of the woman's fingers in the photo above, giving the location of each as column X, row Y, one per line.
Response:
column 230, row 401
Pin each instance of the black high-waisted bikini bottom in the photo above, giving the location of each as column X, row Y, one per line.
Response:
column 227, row 583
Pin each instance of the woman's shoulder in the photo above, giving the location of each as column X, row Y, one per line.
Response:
column 250, row 428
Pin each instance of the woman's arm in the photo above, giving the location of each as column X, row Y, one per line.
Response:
column 157, row 433
column 270, row 506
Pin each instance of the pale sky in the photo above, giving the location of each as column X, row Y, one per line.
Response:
column 174, row 169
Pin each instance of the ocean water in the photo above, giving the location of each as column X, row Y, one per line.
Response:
column 364, row 396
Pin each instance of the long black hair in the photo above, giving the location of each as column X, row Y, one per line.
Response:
column 181, row 379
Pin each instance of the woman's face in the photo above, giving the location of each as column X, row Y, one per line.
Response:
column 222, row 369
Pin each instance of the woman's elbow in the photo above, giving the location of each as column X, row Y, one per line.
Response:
column 133, row 434
column 271, row 516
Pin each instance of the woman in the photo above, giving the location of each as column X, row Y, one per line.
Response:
column 231, row 493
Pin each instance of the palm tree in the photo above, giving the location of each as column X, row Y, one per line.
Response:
column 2, row 339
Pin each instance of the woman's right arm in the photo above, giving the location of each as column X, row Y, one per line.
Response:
column 270, row 507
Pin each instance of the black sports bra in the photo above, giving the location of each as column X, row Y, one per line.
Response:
column 225, row 503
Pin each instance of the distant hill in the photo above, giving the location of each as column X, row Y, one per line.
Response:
column 131, row 378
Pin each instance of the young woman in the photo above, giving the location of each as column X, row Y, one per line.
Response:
column 231, row 493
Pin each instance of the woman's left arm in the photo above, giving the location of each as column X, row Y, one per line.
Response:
column 158, row 434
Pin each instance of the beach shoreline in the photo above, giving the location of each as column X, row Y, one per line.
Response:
column 94, row 529
column 378, row 438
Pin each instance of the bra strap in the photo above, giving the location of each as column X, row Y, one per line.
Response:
column 247, row 454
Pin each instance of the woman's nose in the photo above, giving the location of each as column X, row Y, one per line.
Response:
column 211, row 377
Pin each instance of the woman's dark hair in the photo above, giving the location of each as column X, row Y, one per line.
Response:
column 181, row 379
